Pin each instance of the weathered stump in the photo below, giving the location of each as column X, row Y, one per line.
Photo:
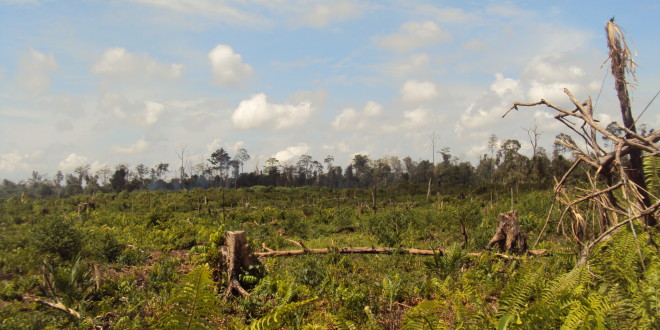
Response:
column 238, row 258
column 508, row 236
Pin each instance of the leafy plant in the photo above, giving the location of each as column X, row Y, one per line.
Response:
column 391, row 288
column 448, row 263
column 71, row 285
column 193, row 302
column 424, row 316
column 58, row 236
column 277, row 317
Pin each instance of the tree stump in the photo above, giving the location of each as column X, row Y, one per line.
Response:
column 508, row 236
column 238, row 258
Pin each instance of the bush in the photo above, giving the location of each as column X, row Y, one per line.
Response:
column 57, row 236
column 103, row 246
column 390, row 227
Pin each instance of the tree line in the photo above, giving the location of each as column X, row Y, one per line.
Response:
column 502, row 165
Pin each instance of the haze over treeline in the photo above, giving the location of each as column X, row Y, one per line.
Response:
column 502, row 164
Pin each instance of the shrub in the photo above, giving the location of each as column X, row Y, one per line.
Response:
column 57, row 236
column 103, row 246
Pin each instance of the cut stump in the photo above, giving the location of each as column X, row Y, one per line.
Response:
column 508, row 236
column 238, row 258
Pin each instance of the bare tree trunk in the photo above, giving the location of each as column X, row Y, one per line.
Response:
column 621, row 62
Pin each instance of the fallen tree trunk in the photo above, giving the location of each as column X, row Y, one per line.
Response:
column 377, row 250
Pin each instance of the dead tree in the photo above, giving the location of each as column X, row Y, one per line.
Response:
column 618, row 191
column 508, row 236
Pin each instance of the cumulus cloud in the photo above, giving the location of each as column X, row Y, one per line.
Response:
column 414, row 119
column 413, row 35
column 228, row 67
column 135, row 148
column 351, row 119
column 118, row 63
column 503, row 86
column 548, row 75
column 152, row 112
column 13, row 161
column 34, row 68
column 291, row 152
column 323, row 14
column 418, row 91
column 258, row 112
column 72, row 161
column 145, row 114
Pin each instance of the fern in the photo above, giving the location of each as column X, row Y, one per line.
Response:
column 275, row 319
column 652, row 174
column 193, row 302
column 519, row 293
column 342, row 324
column 424, row 316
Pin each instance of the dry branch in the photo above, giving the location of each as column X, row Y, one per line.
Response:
column 56, row 305
column 619, row 170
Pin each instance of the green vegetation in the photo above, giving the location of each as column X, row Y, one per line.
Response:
column 149, row 259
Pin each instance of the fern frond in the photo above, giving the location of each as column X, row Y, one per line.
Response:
column 342, row 324
column 275, row 318
column 520, row 293
column 651, row 165
column 424, row 316
column 194, row 302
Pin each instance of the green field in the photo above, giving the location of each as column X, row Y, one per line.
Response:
column 127, row 263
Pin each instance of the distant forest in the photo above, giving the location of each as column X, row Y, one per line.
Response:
column 502, row 165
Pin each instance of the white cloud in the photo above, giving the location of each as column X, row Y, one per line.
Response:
column 136, row 148
column 72, row 161
column 351, row 119
column 416, row 64
column 220, row 10
column 12, row 161
column 217, row 144
column 144, row 114
column 418, row 91
column 414, row 119
column 548, row 75
column 67, row 105
column 228, row 67
column 323, row 14
column 475, row 45
column 118, row 63
column 503, row 86
column 291, row 152
column 33, row 70
column 447, row 15
column 152, row 112
column 413, row 35
column 258, row 112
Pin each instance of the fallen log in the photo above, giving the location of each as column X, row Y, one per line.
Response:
column 378, row 250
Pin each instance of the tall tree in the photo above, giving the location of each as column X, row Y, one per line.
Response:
column 220, row 160
column 242, row 156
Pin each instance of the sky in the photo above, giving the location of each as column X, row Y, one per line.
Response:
column 138, row 81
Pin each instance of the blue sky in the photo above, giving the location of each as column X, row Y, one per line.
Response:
column 132, row 81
